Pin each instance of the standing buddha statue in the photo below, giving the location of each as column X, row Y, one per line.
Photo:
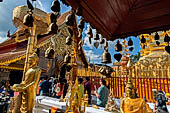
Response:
column 28, row 86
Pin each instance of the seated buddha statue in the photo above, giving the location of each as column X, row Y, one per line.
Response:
column 132, row 104
column 111, row 105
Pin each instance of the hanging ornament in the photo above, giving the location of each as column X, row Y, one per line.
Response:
column 167, row 38
column 68, row 40
column 118, row 46
column 157, row 43
column 28, row 19
column 131, row 49
column 53, row 28
column 53, row 17
column 79, row 11
column 101, row 40
column 96, row 36
column 30, row 5
column 90, row 34
column 118, row 56
column 105, row 45
column 96, row 44
column 67, row 58
column 55, row 6
column 70, row 19
column 80, row 44
column 130, row 42
column 106, row 57
column 143, row 40
column 68, row 67
column 90, row 40
column 70, row 31
column 156, row 37
column 167, row 48
column 81, row 23
column 50, row 53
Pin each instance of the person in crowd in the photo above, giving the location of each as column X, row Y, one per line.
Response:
column 44, row 87
column 6, row 89
column 81, row 86
column 38, row 88
column 87, row 87
column 102, row 94
column 66, row 85
column 59, row 88
column 53, row 88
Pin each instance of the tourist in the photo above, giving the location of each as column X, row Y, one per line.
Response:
column 102, row 94
column 38, row 88
column 59, row 88
column 44, row 87
column 5, row 89
column 53, row 93
column 65, row 87
column 87, row 87
column 81, row 86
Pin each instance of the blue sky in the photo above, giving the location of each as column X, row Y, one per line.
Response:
column 7, row 6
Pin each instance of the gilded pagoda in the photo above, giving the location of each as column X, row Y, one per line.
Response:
column 13, row 50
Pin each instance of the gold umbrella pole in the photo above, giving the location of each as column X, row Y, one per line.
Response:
column 29, row 49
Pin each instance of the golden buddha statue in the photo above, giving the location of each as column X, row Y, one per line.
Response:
column 111, row 105
column 28, row 86
column 131, row 104
column 86, row 100
column 75, row 101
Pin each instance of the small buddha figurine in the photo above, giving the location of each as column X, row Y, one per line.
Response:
column 75, row 101
column 28, row 86
column 111, row 104
column 86, row 99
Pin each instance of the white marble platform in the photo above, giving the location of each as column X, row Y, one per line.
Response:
column 44, row 103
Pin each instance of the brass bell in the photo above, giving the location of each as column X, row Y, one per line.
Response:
column 80, row 44
column 68, row 67
column 118, row 46
column 53, row 28
column 101, row 40
column 68, row 40
column 55, row 6
column 96, row 44
column 28, row 19
column 70, row 19
column 67, row 58
column 106, row 57
column 49, row 53
column 81, row 23
column 90, row 40
column 96, row 36
column 70, row 31
column 89, row 32
column 53, row 17
column 130, row 42
column 143, row 40
column 166, row 38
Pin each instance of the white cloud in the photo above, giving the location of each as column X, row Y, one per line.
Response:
column 3, row 36
column 93, row 57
